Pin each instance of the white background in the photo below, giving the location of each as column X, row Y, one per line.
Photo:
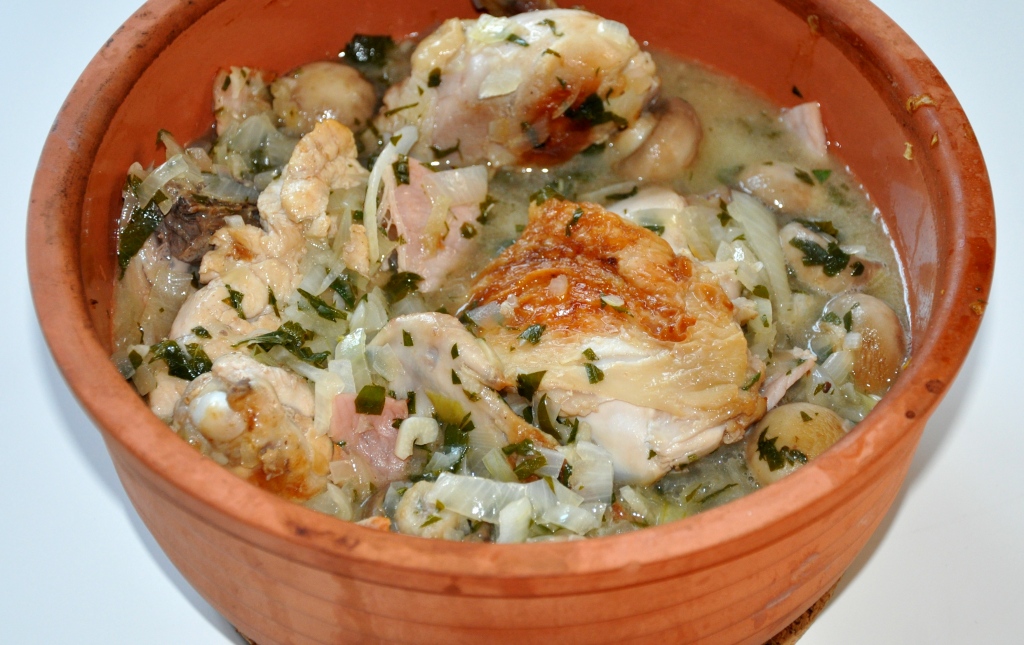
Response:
column 946, row 565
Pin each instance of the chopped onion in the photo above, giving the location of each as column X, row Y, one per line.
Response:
column 462, row 185
column 382, row 180
column 169, row 170
column 353, row 349
column 514, row 521
column 414, row 430
column 385, row 362
column 592, row 472
column 635, row 503
column 762, row 234
column 474, row 497
column 327, row 387
column 497, row 465
column 553, row 461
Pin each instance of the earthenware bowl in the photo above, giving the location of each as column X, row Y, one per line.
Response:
column 737, row 574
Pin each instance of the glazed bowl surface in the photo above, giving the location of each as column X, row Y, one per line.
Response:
column 737, row 574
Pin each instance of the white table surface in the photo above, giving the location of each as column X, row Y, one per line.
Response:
column 946, row 566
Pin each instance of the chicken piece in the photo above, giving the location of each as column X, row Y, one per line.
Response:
column 437, row 231
column 371, row 436
column 239, row 93
column 257, row 261
column 642, row 345
column 257, row 421
column 467, row 379
column 532, row 89
column 322, row 90
column 786, row 368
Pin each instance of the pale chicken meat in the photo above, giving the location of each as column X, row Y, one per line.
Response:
column 448, row 368
column 642, row 344
column 533, row 89
column 250, row 264
column 257, row 421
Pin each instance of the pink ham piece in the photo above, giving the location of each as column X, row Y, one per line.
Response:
column 371, row 436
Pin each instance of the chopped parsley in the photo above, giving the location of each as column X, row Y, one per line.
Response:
column 752, row 382
column 370, row 400
column 441, row 153
column 573, row 221
column 777, row 457
column 434, row 78
column 342, row 285
column 401, row 168
column 455, row 350
column 821, row 174
column 592, row 112
column 400, row 285
column 761, row 291
column 321, row 307
column 532, row 334
column 293, row 338
column 618, row 197
column 831, row 260
column 234, row 300
column 804, row 176
column 467, row 230
column 406, row 338
column 594, row 373
column 182, row 362
column 200, row 332
column 517, row 40
column 527, row 384
column 590, row 354
column 528, row 459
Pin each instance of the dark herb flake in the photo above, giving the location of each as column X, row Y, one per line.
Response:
column 342, row 286
column 406, row 338
column 434, row 78
column 803, row 176
column 441, row 153
column 821, row 174
column 752, row 382
column 527, row 384
column 201, row 332
column 517, row 40
column 594, row 373
column 761, row 291
column 467, row 230
column 370, row 400
column 618, row 197
column 234, row 300
column 590, row 354
column 400, row 285
column 532, row 334
column 321, row 308
column 592, row 112
column 372, row 50
column 401, row 168
column 573, row 221
column 777, row 457
column 185, row 363
column 831, row 260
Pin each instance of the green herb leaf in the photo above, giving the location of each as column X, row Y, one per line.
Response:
column 486, row 207
column 592, row 112
column 441, row 153
column 832, row 260
column 185, row 363
column 777, row 458
column 400, row 285
column 430, row 520
column 858, row 269
column 761, row 291
column 396, row 110
column 406, row 338
column 401, row 168
column 321, row 308
column 752, row 382
column 821, row 226
column 133, row 236
column 651, row 454
column 804, row 176
column 532, row 334
column 548, row 22
column 594, row 373
column 527, row 384
column 234, row 300
column 135, row 359
column 370, row 400
column 832, row 318
column 590, row 354
column 549, row 191
column 201, row 332
column 594, row 149
column 565, row 474
column 517, row 40
column 342, row 285
column 467, row 230
column 528, row 459
column 544, row 418
column 806, row 417
column 822, row 174
column 550, row 52
column 848, row 320
column 410, row 402
column 712, row 495
column 573, row 221
column 455, row 378
column 455, row 350
column 434, row 78
column 657, row 229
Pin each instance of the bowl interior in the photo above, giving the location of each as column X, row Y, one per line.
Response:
column 921, row 167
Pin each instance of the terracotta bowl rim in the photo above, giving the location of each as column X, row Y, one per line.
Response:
column 240, row 508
